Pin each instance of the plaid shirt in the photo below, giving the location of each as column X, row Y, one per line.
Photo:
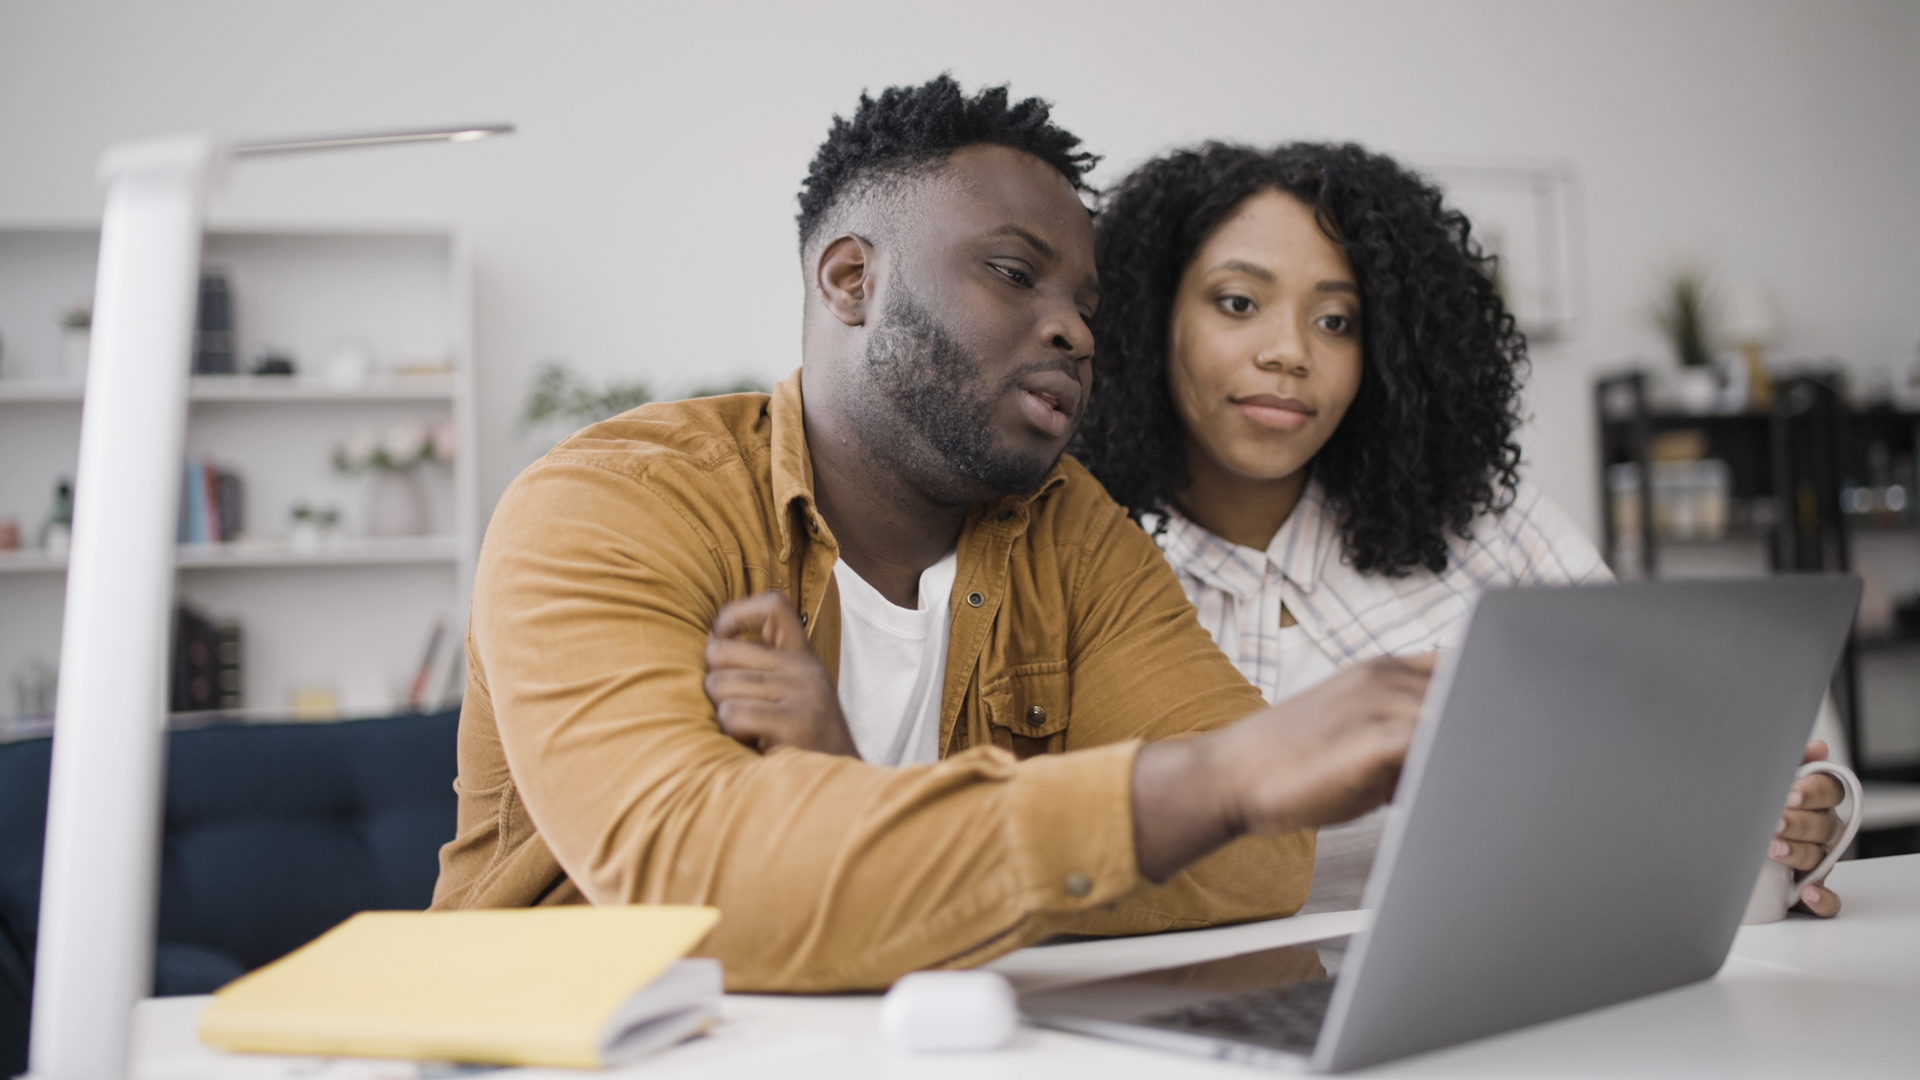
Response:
column 1352, row 616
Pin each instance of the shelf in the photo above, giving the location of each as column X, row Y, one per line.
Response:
column 1882, row 643
column 1890, row 806
column 367, row 551
column 284, row 388
column 17, row 728
column 255, row 388
column 31, row 561
column 31, row 390
column 1732, row 537
column 383, row 551
column 1663, row 420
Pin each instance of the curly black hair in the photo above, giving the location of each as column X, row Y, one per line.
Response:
column 912, row 129
column 1427, row 444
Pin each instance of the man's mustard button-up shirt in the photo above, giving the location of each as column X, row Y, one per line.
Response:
column 592, row 768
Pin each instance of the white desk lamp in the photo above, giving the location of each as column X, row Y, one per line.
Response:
column 97, row 895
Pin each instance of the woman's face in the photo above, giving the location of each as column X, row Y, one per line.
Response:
column 1265, row 349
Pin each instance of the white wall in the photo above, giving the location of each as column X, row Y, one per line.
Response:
column 641, row 223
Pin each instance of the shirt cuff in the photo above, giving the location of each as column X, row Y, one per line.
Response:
column 1072, row 816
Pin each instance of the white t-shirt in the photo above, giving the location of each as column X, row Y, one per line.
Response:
column 893, row 665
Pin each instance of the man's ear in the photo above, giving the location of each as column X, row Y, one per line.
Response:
column 844, row 274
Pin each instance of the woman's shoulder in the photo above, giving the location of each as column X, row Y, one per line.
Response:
column 1526, row 539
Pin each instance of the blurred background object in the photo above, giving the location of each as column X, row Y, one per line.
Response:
column 1752, row 321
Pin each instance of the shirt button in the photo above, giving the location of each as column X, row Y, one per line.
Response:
column 974, row 599
column 1078, row 885
column 1036, row 716
column 803, row 618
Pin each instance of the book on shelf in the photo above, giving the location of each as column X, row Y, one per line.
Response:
column 207, row 663
column 212, row 505
column 439, row 681
column 213, row 352
column 417, row 693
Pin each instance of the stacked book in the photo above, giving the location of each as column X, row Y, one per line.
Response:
column 206, row 668
column 212, row 505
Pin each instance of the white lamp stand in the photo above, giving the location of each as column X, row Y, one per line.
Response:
column 100, row 881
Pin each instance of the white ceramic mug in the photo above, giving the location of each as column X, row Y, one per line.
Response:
column 1779, row 886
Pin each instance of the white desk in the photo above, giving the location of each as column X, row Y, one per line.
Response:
column 1853, row 981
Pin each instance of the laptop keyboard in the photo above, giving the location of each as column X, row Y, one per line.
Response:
column 1283, row 1017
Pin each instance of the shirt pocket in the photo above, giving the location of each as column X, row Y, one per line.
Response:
column 1027, row 709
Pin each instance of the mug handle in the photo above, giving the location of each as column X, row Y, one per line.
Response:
column 1854, row 795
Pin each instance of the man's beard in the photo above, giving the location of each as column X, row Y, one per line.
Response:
column 940, row 390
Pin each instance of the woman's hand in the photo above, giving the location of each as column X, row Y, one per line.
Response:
column 768, row 688
column 1807, row 830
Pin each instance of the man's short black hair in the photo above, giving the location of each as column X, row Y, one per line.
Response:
column 911, row 129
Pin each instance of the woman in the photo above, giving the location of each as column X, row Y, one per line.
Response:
column 1307, row 390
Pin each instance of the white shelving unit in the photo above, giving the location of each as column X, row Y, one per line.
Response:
column 351, row 614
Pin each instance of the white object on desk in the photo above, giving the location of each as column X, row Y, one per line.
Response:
column 949, row 1010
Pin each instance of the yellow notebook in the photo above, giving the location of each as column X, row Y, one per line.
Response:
column 572, row 986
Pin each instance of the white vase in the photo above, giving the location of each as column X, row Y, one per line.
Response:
column 1699, row 389
column 396, row 507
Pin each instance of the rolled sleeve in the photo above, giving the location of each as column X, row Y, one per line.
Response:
column 590, row 621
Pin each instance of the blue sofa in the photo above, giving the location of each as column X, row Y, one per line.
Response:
column 274, row 833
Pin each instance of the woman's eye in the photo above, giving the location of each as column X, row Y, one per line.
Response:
column 1338, row 324
column 1013, row 274
column 1238, row 305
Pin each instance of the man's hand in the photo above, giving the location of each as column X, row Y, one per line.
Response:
column 1319, row 757
column 1807, row 830
column 768, row 688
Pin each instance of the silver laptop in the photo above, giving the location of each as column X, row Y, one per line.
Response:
column 1585, row 807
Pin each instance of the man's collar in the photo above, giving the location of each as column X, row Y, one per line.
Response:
column 792, row 469
column 1009, row 508
column 792, row 466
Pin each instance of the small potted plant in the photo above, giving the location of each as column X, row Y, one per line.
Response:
column 1685, row 316
column 561, row 401
column 311, row 527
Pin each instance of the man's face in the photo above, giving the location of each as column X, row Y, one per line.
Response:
column 982, row 342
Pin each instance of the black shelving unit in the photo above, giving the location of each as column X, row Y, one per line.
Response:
column 1794, row 461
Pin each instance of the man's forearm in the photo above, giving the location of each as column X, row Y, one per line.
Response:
column 1179, row 813
column 1326, row 755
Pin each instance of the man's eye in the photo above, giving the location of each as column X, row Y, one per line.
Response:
column 1239, row 305
column 1013, row 274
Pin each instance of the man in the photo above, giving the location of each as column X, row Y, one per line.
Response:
column 1014, row 654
